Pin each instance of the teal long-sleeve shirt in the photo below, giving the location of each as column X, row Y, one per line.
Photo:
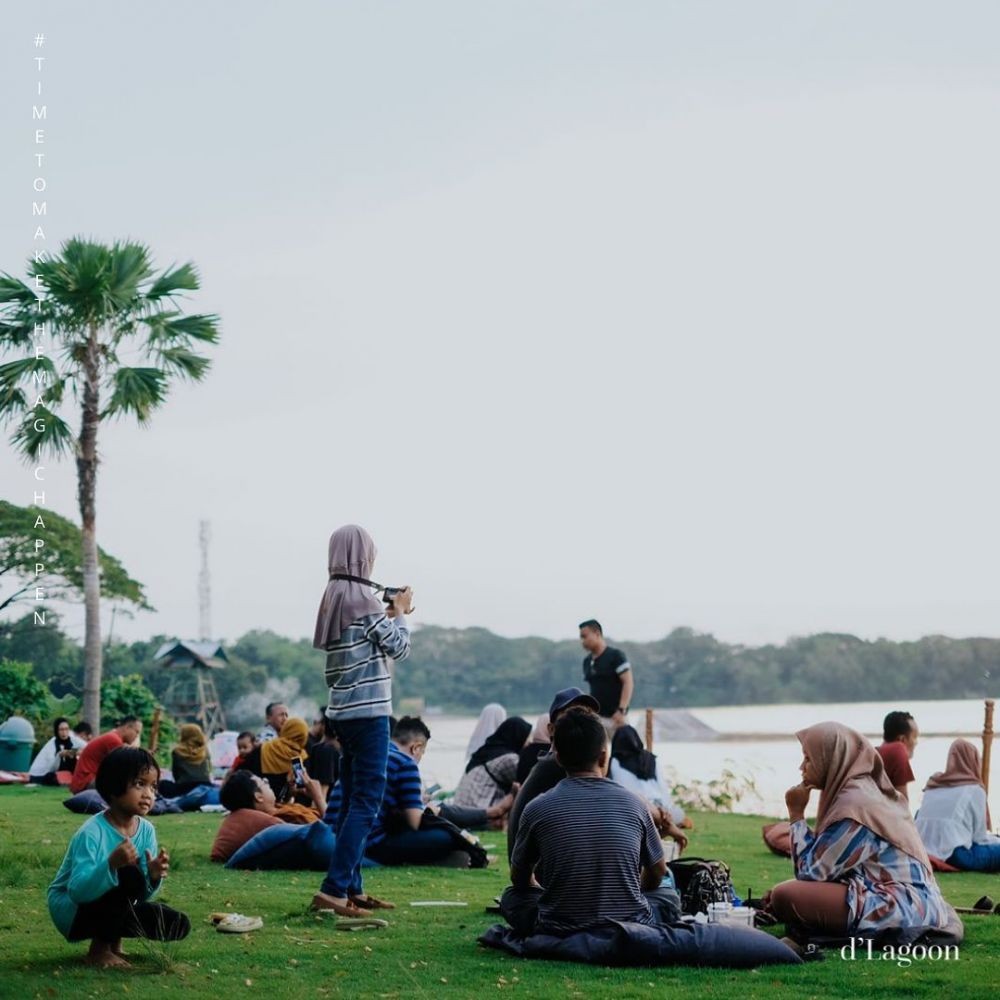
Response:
column 85, row 874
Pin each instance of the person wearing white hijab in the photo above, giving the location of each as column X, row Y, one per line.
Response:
column 489, row 718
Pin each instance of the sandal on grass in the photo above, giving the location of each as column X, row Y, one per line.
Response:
column 236, row 923
column 371, row 903
column 321, row 904
column 355, row 923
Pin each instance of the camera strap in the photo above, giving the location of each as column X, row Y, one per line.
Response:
column 356, row 579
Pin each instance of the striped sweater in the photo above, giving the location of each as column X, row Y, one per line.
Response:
column 357, row 669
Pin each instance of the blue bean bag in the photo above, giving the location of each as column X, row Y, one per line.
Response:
column 89, row 801
column 620, row 943
column 288, row 846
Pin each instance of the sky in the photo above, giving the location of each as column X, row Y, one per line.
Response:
column 667, row 313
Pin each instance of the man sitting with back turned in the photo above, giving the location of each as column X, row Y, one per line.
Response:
column 590, row 844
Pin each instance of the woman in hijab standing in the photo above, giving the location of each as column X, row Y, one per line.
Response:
column 954, row 816
column 360, row 635
column 864, row 869
column 491, row 770
column 636, row 768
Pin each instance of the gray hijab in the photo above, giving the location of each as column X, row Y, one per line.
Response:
column 351, row 551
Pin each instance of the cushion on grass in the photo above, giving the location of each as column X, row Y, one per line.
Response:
column 287, row 845
column 941, row 866
column 87, row 801
column 620, row 943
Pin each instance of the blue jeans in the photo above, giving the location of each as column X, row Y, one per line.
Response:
column 977, row 858
column 413, row 847
column 364, row 751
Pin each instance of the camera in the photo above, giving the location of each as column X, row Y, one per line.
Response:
column 300, row 773
column 389, row 593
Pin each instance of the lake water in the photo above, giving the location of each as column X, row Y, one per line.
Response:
column 771, row 755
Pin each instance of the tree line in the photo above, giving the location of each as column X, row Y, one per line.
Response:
column 459, row 670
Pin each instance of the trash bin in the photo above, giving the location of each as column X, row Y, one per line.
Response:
column 17, row 737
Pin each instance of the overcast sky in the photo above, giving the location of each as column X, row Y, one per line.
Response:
column 665, row 313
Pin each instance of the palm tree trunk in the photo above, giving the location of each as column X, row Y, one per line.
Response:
column 86, row 472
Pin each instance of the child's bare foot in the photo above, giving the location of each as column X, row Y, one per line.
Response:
column 104, row 956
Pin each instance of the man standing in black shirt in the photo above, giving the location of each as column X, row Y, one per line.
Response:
column 609, row 674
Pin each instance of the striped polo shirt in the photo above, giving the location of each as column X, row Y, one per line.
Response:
column 586, row 841
column 403, row 790
column 357, row 668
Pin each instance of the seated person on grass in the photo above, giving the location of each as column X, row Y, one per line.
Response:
column 586, row 851
column 190, row 763
column 276, row 761
column 250, row 801
column 397, row 837
column 899, row 740
column 58, row 754
column 548, row 772
column 954, row 817
column 125, row 733
column 864, row 869
column 112, row 867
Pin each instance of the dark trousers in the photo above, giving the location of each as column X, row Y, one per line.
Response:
column 464, row 817
column 121, row 912
column 413, row 847
column 520, row 907
column 364, row 751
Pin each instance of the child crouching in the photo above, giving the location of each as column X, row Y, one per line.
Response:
column 112, row 866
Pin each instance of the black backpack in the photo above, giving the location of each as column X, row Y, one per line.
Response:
column 700, row 882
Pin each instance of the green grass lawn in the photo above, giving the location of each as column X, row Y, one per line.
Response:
column 424, row 953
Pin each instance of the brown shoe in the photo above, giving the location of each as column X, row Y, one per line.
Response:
column 371, row 903
column 341, row 909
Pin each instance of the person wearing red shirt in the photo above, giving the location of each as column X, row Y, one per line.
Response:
column 899, row 736
column 126, row 733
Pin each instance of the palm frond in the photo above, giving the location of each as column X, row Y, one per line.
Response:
column 37, row 369
column 199, row 326
column 172, row 281
column 13, row 291
column 180, row 361
column 138, row 391
column 43, row 432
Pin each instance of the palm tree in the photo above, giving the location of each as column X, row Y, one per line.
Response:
column 94, row 301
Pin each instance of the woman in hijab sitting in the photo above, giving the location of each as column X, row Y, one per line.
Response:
column 492, row 769
column 189, row 763
column 58, row 754
column 635, row 768
column 954, row 816
column 486, row 725
column 864, row 869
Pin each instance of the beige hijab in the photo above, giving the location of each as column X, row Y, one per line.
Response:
column 964, row 767
column 352, row 551
column 855, row 786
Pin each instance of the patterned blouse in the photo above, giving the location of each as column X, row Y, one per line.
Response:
column 885, row 887
column 486, row 784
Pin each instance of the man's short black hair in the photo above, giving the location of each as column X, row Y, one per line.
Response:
column 126, row 720
column 896, row 724
column 120, row 768
column 271, row 705
column 83, row 729
column 594, row 624
column 579, row 738
column 245, row 735
column 239, row 791
column 410, row 728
